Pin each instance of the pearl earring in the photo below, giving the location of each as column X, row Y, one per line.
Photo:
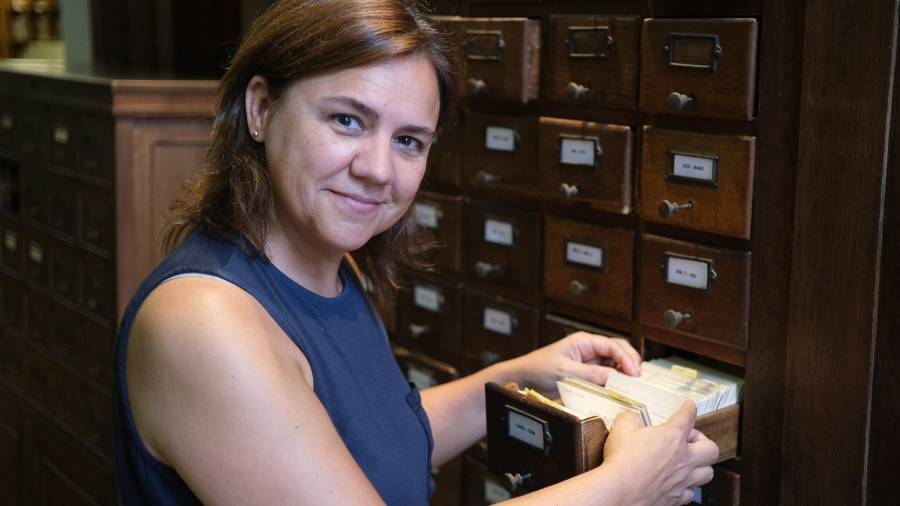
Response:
column 255, row 133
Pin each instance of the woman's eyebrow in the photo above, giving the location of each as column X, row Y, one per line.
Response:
column 364, row 110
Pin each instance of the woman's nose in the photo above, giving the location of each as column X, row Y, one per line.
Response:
column 374, row 162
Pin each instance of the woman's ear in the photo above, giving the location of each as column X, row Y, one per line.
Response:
column 257, row 104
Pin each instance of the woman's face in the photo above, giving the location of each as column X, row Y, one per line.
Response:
column 347, row 150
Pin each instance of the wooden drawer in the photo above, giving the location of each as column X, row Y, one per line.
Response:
column 37, row 311
column 495, row 329
column 698, row 181
column 60, row 138
column 12, row 360
column 589, row 266
column 445, row 158
column 482, row 487
column 65, row 275
column 586, row 162
column 94, row 148
column 62, row 198
column 430, row 318
column 99, row 286
column 65, row 339
column 98, row 220
column 9, row 186
column 38, row 377
column 96, row 354
column 555, row 327
column 8, row 120
column 36, row 257
column 423, row 370
column 12, row 302
column 28, row 131
column 13, row 244
column 449, row 480
column 695, row 291
column 442, row 214
column 500, row 152
column 593, row 60
column 502, row 56
column 723, row 490
column 34, row 193
column 502, row 249
column 699, row 67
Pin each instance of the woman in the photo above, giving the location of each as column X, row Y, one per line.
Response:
column 250, row 367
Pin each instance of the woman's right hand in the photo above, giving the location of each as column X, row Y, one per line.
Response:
column 662, row 462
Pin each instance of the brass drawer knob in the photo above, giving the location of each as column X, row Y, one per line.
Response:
column 678, row 101
column 485, row 269
column 485, row 178
column 477, row 86
column 568, row 190
column 673, row 318
column 577, row 287
column 417, row 331
column 576, row 91
column 667, row 208
column 514, row 482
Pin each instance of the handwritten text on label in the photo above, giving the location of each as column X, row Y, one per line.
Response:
column 499, row 232
column 584, row 254
column 698, row 168
column 687, row 272
column 577, row 152
column 500, row 138
column 427, row 298
column 497, row 321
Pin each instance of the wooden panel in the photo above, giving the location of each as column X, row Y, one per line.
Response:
column 835, row 264
column 482, row 487
column 723, row 490
column 555, row 327
column 569, row 246
column 509, row 162
column 442, row 214
column 494, row 329
column 444, row 159
column 677, row 56
column 585, row 163
column 423, row 370
column 717, row 182
column 599, row 54
column 12, row 449
column 430, row 318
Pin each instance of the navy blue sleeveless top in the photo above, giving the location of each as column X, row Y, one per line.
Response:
column 377, row 413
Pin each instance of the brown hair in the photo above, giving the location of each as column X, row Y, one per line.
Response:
column 231, row 195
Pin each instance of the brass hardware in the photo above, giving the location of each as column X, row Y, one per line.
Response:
column 667, row 208
column 678, row 101
column 576, row 91
column 589, row 42
column 416, row 331
column 712, row 41
column 514, row 482
column 484, row 45
column 568, row 190
column 485, row 178
column 673, row 318
column 577, row 287
column 477, row 86
column 485, row 269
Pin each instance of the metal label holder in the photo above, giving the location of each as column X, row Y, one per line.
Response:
column 711, row 274
column 598, row 149
column 472, row 44
column 714, row 46
column 546, row 438
column 670, row 169
column 598, row 46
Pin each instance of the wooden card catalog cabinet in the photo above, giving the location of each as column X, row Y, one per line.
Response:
column 430, row 317
column 422, row 370
column 502, row 56
column 482, row 487
column 695, row 297
column 698, row 181
column 442, row 215
column 699, row 67
column 503, row 250
column 584, row 162
column 500, row 152
column 593, row 60
column 495, row 328
column 444, row 159
column 555, row 327
column 589, row 266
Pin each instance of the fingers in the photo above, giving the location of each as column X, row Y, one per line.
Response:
column 703, row 451
column 684, row 418
column 633, row 353
column 686, row 497
column 626, row 420
column 590, row 372
column 700, row 476
column 619, row 350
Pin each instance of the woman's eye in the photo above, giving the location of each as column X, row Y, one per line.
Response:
column 410, row 142
column 347, row 121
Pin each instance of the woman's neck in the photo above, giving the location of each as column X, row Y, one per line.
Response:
column 314, row 270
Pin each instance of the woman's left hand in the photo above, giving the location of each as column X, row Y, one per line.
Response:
column 581, row 355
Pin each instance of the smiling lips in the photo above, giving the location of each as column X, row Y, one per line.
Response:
column 358, row 203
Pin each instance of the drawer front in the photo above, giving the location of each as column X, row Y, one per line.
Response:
column 65, row 339
column 495, row 329
column 96, row 354
column 94, row 148
column 424, row 371
column 695, row 290
column 9, row 185
column 589, row 266
column 482, row 487
column 12, row 304
column 586, row 162
column 37, row 311
column 8, row 120
column 28, row 131
column 60, row 138
column 37, row 260
column 555, row 327
column 698, row 181
column 699, row 67
column 62, row 198
column 442, row 215
column 98, row 221
column 500, row 152
column 502, row 56
column 99, row 286
column 503, row 250
column 429, row 318
column 34, row 193
column 594, row 60
column 723, row 490
column 13, row 244
column 445, row 159
column 12, row 360
column 65, row 275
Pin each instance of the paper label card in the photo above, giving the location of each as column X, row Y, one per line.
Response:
column 495, row 492
column 584, row 254
column 498, row 321
column 428, row 215
column 692, row 273
column 499, row 232
column 578, row 152
column 423, row 378
column 36, row 253
column 698, row 168
column 11, row 240
column 525, row 429
column 6, row 121
column 500, row 138
column 61, row 134
column 427, row 298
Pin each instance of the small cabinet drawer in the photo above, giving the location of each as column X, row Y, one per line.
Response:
column 12, row 304
column 502, row 56
column 555, row 327
column 483, row 487
column 13, row 244
column 594, row 60
column 63, row 198
column 589, row 266
column 695, row 291
column 503, row 250
column 8, row 115
column 12, row 360
column 445, row 159
column 94, row 149
column 34, row 193
column 500, row 152
column 430, row 318
column 60, row 138
column 65, row 339
column 495, row 329
column 586, row 162
column 96, row 355
column 99, row 286
column 699, row 67
column 698, row 181
column 65, row 274
column 38, row 315
column 423, row 370
column 442, row 215
column 97, row 217
column 36, row 257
